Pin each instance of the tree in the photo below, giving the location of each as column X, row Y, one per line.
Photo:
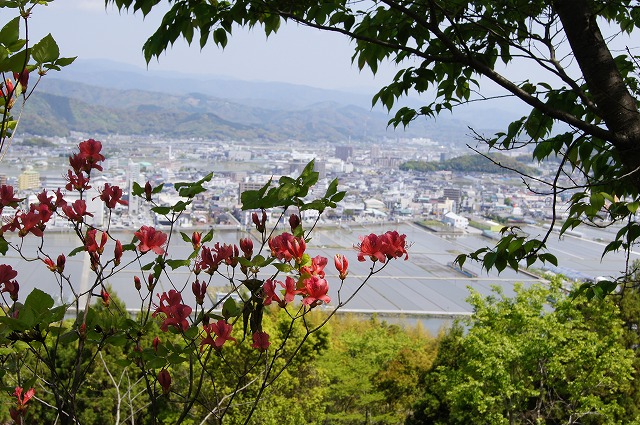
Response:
column 541, row 357
column 583, row 99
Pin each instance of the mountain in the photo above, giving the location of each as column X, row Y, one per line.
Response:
column 106, row 97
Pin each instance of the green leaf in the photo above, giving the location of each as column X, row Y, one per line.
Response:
column 38, row 301
column 46, row 50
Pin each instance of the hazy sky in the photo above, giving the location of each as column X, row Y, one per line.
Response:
column 84, row 28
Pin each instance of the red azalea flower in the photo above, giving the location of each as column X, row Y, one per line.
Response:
column 286, row 247
column 316, row 289
column 208, row 261
column 290, row 290
column 164, row 379
column 7, row 198
column 12, row 288
column 50, row 264
column 227, row 253
column 341, row 263
column 260, row 341
column 90, row 151
column 77, row 181
column 18, row 411
column 317, row 266
column 371, row 246
column 151, row 240
column 269, row 291
column 222, row 330
column 394, row 245
column 7, row 273
column 76, row 211
column 112, row 195
column 91, row 244
column 176, row 313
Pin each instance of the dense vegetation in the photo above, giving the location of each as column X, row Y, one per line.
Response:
column 492, row 163
column 540, row 356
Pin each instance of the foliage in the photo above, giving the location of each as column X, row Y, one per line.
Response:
column 539, row 357
column 492, row 163
column 372, row 368
column 583, row 99
column 19, row 59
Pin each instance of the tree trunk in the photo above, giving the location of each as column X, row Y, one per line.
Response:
column 616, row 105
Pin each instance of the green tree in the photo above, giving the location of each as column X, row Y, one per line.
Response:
column 540, row 357
column 583, row 94
column 372, row 368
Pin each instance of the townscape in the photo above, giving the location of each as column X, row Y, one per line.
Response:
column 377, row 190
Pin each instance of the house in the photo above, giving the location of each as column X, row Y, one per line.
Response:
column 455, row 220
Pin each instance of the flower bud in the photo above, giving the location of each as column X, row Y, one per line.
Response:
column 155, row 343
column 164, row 379
column 147, row 191
column 246, row 245
column 294, row 222
column 117, row 254
column 199, row 291
column 22, row 78
column 195, row 240
column 106, row 297
column 341, row 263
column 152, row 283
column 50, row 264
column 137, row 283
column 62, row 260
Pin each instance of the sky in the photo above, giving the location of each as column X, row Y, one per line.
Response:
column 299, row 55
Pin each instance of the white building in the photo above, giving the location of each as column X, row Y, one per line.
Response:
column 455, row 220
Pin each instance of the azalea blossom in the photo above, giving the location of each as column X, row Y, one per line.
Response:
column 260, row 341
column 382, row 247
column 7, row 198
column 76, row 211
column 112, row 195
column 176, row 313
column 290, row 290
column 287, row 247
column 18, row 411
column 90, row 152
column 269, row 291
column 371, row 246
column 394, row 245
column 222, row 331
column 317, row 266
column 151, row 240
column 91, row 244
column 315, row 289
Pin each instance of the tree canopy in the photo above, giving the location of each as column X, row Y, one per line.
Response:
column 583, row 94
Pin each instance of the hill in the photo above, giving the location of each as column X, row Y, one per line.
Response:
column 472, row 163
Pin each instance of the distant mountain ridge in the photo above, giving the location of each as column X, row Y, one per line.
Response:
column 114, row 98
